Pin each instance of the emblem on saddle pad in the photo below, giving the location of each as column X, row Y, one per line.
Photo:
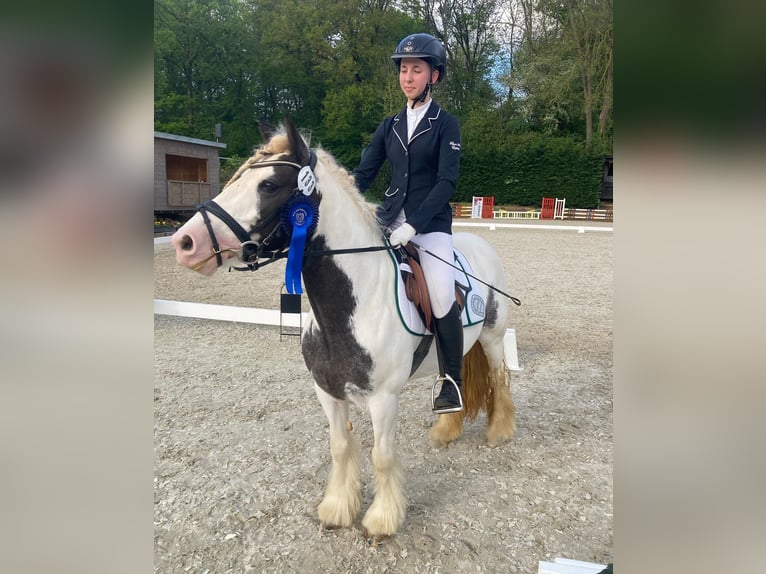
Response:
column 477, row 305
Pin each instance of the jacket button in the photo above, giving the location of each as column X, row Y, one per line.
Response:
column 406, row 174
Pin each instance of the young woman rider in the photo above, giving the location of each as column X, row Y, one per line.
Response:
column 422, row 144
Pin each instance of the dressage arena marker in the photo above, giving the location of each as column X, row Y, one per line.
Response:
column 511, row 352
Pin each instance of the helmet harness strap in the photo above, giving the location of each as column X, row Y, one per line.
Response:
column 422, row 97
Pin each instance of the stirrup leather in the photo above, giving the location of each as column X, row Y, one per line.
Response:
column 455, row 409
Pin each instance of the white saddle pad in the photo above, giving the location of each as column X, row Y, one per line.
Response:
column 475, row 298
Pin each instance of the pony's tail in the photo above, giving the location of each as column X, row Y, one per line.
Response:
column 477, row 389
column 484, row 389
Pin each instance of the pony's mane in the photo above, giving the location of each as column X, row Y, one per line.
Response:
column 279, row 144
column 346, row 186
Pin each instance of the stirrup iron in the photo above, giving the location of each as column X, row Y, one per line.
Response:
column 446, row 410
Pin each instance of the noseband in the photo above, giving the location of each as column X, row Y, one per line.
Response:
column 249, row 251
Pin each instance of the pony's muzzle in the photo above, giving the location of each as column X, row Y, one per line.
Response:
column 192, row 248
column 186, row 243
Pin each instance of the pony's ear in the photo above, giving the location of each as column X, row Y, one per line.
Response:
column 297, row 144
column 266, row 129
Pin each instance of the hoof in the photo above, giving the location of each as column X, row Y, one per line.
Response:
column 498, row 434
column 376, row 539
column 497, row 441
column 446, row 428
column 438, row 443
column 331, row 527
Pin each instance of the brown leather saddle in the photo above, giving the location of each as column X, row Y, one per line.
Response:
column 415, row 286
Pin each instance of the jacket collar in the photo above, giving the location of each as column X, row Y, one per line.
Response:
column 400, row 124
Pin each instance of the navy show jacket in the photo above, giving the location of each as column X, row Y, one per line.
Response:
column 424, row 172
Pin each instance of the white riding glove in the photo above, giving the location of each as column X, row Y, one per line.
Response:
column 402, row 234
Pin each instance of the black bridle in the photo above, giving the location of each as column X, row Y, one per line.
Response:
column 249, row 251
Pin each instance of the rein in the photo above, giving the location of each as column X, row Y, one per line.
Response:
column 276, row 255
column 255, row 250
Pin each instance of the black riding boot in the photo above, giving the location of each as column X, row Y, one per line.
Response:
column 449, row 335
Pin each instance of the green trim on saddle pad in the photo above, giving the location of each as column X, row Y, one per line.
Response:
column 465, row 316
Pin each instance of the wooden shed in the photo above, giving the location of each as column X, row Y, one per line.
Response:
column 186, row 172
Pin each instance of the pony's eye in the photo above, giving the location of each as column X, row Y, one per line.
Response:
column 268, row 186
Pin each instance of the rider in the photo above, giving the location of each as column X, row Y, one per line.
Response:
column 422, row 144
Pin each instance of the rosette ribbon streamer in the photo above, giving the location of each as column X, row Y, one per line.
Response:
column 300, row 220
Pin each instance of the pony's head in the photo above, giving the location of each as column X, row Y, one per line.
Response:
column 251, row 213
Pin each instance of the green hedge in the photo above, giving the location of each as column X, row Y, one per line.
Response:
column 529, row 167
column 521, row 172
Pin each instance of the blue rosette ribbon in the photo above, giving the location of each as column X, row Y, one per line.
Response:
column 299, row 219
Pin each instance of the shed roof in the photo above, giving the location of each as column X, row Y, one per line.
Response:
column 174, row 137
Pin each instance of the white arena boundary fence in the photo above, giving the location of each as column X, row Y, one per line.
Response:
column 275, row 318
column 492, row 226
column 226, row 313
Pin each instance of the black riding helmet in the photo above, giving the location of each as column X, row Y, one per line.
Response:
column 425, row 47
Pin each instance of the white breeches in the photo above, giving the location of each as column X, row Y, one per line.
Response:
column 440, row 276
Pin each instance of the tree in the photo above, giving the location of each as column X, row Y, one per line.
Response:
column 562, row 64
column 201, row 69
column 289, row 38
column 327, row 64
column 467, row 28
column 360, row 77
column 588, row 26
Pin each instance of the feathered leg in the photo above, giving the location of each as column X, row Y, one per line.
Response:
column 501, row 412
column 344, row 491
column 388, row 509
